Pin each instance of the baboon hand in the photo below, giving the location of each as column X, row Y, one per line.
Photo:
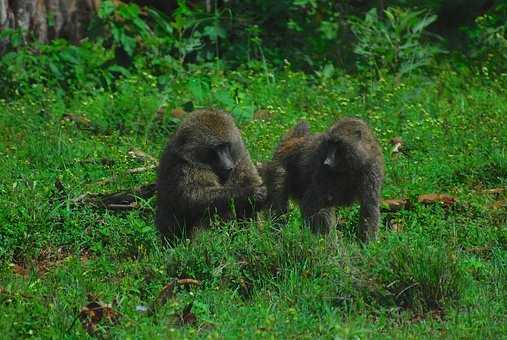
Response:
column 260, row 193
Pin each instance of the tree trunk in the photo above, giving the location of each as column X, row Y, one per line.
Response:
column 48, row 19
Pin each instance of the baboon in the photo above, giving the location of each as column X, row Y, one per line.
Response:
column 205, row 169
column 321, row 171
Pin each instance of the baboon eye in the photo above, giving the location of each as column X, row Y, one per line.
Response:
column 225, row 147
column 214, row 153
column 207, row 155
column 211, row 154
column 358, row 133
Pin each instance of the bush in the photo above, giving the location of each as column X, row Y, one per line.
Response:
column 489, row 39
column 58, row 64
column 394, row 44
column 418, row 276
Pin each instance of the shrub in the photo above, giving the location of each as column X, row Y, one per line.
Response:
column 489, row 38
column 418, row 276
column 394, row 44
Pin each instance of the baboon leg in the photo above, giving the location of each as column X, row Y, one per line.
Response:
column 170, row 228
column 275, row 178
column 370, row 216
column 320, row 220
column 279, row 195
column 369, row 212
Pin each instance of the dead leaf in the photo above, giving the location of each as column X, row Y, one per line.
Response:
column 186, row 317
column 496, row 191
column 397, row 227
column 142, row 156
column 165, row 294
column 80, row 120
column 445, row 199
column 50, row 258
column 480, row 250
column 397, row 144
column 262, row 114
column 94, row 312
column 141, row 169
column 178, row 112
column 499, row 205
column 20, row 270
column 168, row 291
column 186, row 282
column 159, row 115
column 395, row 204
column 142, row 309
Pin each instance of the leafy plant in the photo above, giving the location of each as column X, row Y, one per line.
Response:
column 489, row 38
column 58, row 64
column 419, row 276
column 394, row 44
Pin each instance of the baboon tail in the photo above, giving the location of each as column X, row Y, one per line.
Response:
column 291, row 141
column 300, row 130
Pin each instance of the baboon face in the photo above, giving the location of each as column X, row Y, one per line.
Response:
column 216, row 146
column 344, row 149
column 219, row 157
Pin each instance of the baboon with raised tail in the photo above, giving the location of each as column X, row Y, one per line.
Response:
column 325, row 170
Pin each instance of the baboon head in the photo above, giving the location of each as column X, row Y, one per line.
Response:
column 210, row 139
column 346, row 146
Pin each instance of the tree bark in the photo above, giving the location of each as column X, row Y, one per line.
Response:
column 48, row 19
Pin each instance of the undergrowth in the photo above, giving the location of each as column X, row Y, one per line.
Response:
column 435, row 271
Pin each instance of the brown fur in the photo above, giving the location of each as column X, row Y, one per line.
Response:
column 190, row 187
column 298, row 170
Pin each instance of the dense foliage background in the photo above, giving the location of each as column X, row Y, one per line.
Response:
column 82, row 113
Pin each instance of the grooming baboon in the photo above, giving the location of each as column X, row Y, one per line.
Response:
column 325, row 170
column 205, row 169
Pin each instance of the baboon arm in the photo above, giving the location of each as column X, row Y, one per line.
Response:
column 279, row 193
column 200, row 191
column 252, row 193
column 246, row 174
column 205, row 197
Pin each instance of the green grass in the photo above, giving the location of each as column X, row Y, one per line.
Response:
column 442, row 272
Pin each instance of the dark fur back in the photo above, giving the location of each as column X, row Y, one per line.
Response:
column 292, row 141
column 301, row 129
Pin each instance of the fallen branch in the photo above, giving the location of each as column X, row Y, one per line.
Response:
column 168, row 292
column 141, row 169
column 142, row 156
column 129, row 171
column 393, row 205
column 81, row 122
column 123, row 200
